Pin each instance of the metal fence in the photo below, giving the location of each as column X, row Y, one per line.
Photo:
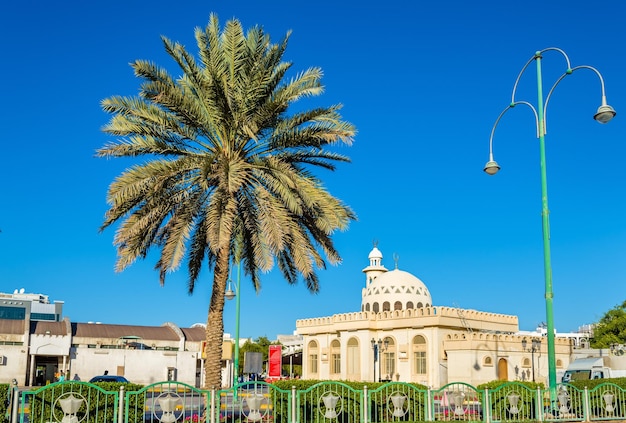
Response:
column 324, row 402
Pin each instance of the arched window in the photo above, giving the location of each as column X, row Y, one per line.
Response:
column 526, row 362
column 420, row 305
column 419, row 356
column 409, row 305
column 367, row 307
column 335, row 358
column 375, row 307
column 388, row 364
column 487, row 361
column 559, row 364
column 397, row 305
column 353, row 361
column 386, row 306
column 313, row 358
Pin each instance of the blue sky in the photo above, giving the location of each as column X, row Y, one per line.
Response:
column 423, row 82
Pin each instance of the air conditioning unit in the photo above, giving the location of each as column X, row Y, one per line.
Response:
column 3, row 360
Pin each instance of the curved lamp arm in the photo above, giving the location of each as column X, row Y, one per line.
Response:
column 532, row 59
column 605, row 112
column 492, row 166
column 603, row 115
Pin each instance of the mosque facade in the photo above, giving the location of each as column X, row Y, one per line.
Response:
column 400, row 335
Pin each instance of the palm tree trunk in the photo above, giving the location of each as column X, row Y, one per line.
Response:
column 215, row 323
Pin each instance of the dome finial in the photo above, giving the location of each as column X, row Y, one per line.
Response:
column 395, row 259
column 375, row 243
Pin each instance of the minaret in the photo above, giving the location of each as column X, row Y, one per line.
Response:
column 375, row 267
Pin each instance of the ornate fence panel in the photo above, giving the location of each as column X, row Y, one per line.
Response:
column 166, row 402
column 513, row 402
column 69, row 402
column 397, row 401
column 607, row 401
column 328, row 402
column 457, row 401
column 253, row 402
column 569, row 404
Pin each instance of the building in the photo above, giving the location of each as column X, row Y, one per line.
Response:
column 21, row 306
column 37, row 344
column 400, row 335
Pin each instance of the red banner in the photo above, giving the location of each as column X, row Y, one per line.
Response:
column 275, row 360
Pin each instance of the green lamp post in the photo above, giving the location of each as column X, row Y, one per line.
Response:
column 229, row 295
column 604, row 114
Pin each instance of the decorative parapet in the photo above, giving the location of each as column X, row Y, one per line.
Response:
column 501, row 338
column 425, row 313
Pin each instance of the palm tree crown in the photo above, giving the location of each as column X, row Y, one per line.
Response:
column 228, row 175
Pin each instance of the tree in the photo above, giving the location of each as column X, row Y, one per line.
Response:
column 260, row 345
column 611, row 329
column 228, row 172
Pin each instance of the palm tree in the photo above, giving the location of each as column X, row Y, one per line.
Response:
column 227, row 175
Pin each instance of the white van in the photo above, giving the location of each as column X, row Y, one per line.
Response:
column 590, row 368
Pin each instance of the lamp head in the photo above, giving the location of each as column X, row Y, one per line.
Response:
column 604, row 114
column 229, row 294
column 492, row 167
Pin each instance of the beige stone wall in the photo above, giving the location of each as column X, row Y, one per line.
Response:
column 477, row 358
column 461, row 345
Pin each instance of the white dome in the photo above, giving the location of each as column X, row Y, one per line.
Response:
column 395, row 290
column 375, row 253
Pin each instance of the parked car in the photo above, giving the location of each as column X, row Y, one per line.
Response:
column 108, row 378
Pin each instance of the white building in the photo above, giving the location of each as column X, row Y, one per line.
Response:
column 36, row 343
column 400, row 335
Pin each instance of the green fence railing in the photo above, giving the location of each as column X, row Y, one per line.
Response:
column 319, row 402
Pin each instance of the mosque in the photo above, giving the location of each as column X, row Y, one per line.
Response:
column 397, row 335
column 400, row 335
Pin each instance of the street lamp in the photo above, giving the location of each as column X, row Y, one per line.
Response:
column 229, row 295
column 604, row 114
column 375, row 350
column 291, row 356
column 536, row 346
column 382, row 347
column 379, row 347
